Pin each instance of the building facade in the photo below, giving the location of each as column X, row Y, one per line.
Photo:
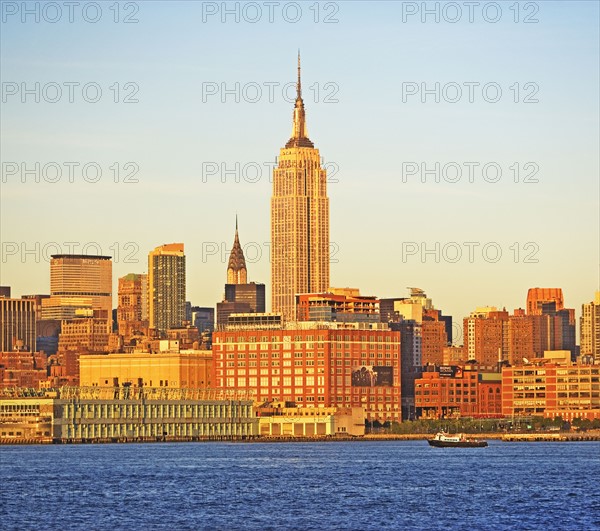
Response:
column 84, row 335
column 590, row 328
column 434, row 341
column 84, row 414
column 132, row 309
column 185, row 369
column 485, row 335
column 241, row 298
column 299, row 218
column 80, row 286
column 166, row 287
column 17, row 324
column 22, row 369
column 451, row 391
column 343, row 305
column 203, row 318
column 311, row 422
column 537, row 297
column 549, row 389
column 411, row 362
column 314, row 365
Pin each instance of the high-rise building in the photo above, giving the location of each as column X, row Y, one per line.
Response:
column 590, row 328
column 80, row 286
column 241, row 296
column 236, row 268
column 434, row 341
column 554, row 327
column 252, row 294
column 132, row 309
column 522, row 336
column 492, row 336
column 18, row 325
column 47, row 330
column 166, row 287
column 299, row 218
column 485, row 335
column 537, row 297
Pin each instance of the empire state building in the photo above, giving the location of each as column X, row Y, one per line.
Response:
column 299, row 218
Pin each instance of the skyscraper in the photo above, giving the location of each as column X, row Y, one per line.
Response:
column 80, row 286
column 299, row 218
column 236, row 268
column 166, row 286
column 240, row 295
column 590, row 328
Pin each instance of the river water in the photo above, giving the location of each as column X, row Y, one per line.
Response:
column 303, row 486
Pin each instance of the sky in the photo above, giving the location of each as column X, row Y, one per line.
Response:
column 461, row 146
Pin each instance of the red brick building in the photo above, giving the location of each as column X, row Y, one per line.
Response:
column 314, row 365
column 551, row 390
column 485, row 335
column 537, row 297
column 491, row 335
column 22, row 369
column 451, row 391
column 433, row 342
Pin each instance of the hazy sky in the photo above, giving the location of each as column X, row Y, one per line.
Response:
column 197, row 93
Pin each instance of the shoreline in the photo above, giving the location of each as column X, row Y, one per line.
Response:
column 505, row 437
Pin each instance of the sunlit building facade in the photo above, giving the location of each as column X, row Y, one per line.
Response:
column 166, row 287
column 17, row 324
column 299, row 219
column 550, row 389
column 314, row 365
column 132, row 309
column 184, row 369
column 452, row 391
column 80, row 286
column 590, row 328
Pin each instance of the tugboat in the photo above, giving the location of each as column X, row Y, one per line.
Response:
column 443, row 440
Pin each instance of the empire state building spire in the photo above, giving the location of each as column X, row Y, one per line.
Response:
column 299, row 132
column 299, row 219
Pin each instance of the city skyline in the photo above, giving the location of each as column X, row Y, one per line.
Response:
column 365, row 136
column 368, row 227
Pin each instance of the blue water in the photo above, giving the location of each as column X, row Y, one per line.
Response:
column 304, row 486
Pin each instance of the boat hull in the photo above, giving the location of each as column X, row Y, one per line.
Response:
column 459, row 444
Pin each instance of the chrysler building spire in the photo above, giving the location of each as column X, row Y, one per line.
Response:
column 236, row 269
